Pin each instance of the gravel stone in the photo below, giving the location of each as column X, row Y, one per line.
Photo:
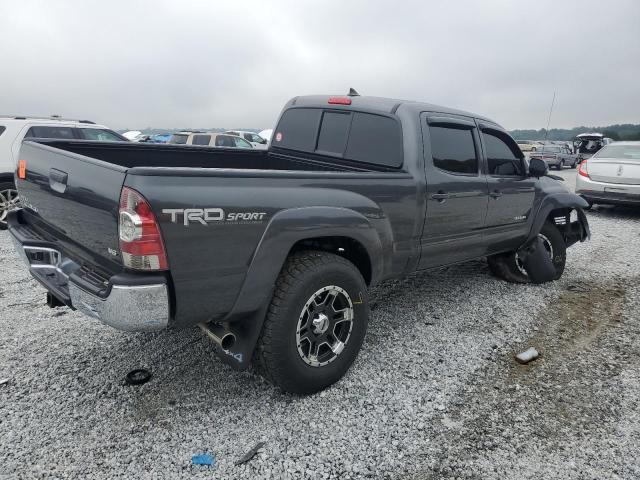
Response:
column 421, row 401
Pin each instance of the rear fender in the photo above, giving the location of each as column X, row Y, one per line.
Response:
column 284, row 230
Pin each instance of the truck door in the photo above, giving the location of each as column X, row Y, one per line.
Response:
column 457, row 192
column 511, row 190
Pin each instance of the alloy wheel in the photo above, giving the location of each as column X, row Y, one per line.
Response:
column 324, row 326
column 8, row 201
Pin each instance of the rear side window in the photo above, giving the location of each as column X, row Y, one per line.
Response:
column 2, row 129
column 453, row 150
column 502, row 160
column 297, row 129
column 51, row 132
column 201, row 140
column 333, row 132
column 375, row 139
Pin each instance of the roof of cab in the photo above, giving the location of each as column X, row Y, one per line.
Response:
column 379, row 104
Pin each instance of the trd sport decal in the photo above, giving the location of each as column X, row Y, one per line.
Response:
column 205, row 216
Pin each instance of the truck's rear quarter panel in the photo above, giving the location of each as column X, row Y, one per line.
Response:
column 209, row 262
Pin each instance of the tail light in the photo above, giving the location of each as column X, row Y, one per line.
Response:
column 140, row 238
column 582, row 169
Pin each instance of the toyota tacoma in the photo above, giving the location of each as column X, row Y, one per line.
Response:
column 272, row 252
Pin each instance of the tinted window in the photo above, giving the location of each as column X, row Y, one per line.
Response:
column 297, row 129
column 375, row 139
column 2, row 129
column 333, row 132
column 501, row 159
column 453, row 150
column 100, row 135
column 51, row 132
column 225, row 141
column 201, row 140
column 179, row 139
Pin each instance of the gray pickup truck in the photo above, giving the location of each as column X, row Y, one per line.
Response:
column 272, row 252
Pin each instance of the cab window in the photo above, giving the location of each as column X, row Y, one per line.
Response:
column 502, row 160
column 453, row 150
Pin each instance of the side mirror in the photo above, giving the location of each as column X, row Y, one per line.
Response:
column 538, row 168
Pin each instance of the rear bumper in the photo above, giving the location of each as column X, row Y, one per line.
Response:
column 128, row 302
column 607, row 193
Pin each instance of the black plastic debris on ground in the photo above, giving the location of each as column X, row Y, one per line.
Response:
column 138, row 376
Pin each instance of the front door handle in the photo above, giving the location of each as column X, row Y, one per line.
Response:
column 440, row 196
column 496, row 194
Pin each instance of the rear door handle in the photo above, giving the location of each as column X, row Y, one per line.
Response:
column 58, row 180
column 440, row 196
column 496, row 194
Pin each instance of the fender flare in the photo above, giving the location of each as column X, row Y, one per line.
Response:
column 553, row 202
column 284, row 230
column 290, row 226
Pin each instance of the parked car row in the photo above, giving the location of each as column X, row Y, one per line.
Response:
column 557, row 156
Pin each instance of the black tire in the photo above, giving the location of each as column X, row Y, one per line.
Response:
column 277, row 357
column 4, row 187
column 573, row 165
column 505, row 265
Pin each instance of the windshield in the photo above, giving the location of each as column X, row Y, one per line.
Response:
column 628, row 152
column 179, row 138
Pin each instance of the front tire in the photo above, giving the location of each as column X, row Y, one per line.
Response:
column 8, row 201
column 507, row 266
column 315, row 325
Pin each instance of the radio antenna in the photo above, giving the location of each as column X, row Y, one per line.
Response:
column 546, row 134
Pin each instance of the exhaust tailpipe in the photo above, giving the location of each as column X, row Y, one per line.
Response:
column 219, row 334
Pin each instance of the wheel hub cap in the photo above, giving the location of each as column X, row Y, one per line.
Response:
column 324, row 326
column 8, row 201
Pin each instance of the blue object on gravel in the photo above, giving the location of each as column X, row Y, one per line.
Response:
column 203, row 459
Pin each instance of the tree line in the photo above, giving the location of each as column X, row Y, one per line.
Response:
column 625, row 131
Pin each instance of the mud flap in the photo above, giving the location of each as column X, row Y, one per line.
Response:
column 246, row 332
column 536, row 261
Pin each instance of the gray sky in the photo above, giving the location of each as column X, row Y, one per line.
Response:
column 133, row 64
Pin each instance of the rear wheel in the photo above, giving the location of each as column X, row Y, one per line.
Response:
column 315, row 325
column 8, row 201
column 508, row 266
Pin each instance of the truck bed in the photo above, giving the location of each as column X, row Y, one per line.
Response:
column 130, row 155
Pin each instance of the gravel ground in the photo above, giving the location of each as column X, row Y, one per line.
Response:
column 435, row 392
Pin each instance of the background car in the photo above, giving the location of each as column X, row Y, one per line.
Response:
column 557, row 156
column 205, row 139
column 611, row 175
column 527, row 145
column 586, row 144
column 14, row 129
column 253, row 138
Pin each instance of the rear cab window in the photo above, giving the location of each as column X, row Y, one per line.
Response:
column 360, row 137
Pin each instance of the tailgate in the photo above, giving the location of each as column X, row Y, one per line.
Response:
column 74, row 198
column 614, row 171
